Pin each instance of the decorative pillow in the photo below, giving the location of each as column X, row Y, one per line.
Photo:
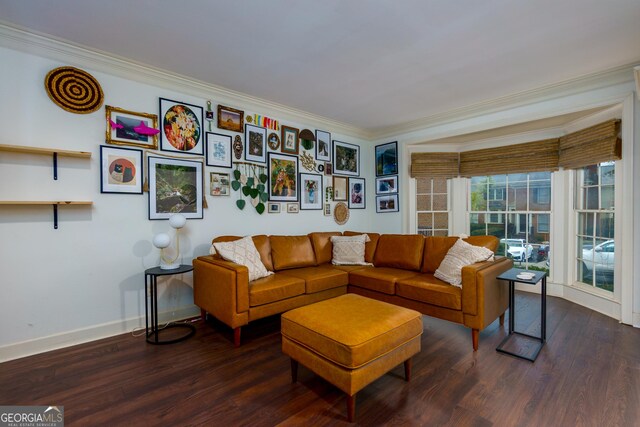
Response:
column 349, row 250
column 243, row 252
column 460, row 255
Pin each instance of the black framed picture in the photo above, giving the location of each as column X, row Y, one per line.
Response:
column 255, row 143
column 387, row 159
column 283, row 177
column 387, row 184
column 387, row 203
column 181, row 127
column 218, row 150
column 120, row 170
column 346, row 158
column 357, row 189
column 175, row 186
column 323, row 146
column 310, row 191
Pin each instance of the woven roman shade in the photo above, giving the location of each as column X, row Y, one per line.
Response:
column 537, row 156
column 595, row 144
column 434, row 165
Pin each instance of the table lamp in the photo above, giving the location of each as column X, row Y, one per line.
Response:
column 162, row 241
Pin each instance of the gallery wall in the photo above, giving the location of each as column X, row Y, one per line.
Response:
column 85, row 280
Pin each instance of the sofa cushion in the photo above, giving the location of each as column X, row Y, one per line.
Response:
column 380, row 279
column 399, row 251
column 322, row 246
column 319, row 278
column 291, row 252
column 243, row 252
column 341, row 329
column 369, row 247
column 349, row 250
column 274, row 288
column 435, row 249
column 427, row 288
column 460, row 255
column 262, row 245
column 489, row 242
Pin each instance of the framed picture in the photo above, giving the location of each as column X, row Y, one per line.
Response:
column 126, row 127
column 387, row 203
column 230, row 118
column 328, row 168
column 387, row 159
column 219, row 184
column 323, row 146
column 182, row 129
column 292, row 208
column 290, row 142
column 175, row 185
column 218, row 150
column 120, row 170
column 357, row 193
column 310, row 191
column 387, row 184
column 327, row 209
column 346, row 158
column 283, row 178
column 255, row 141
column 273, row 141
column 340, row 188
column 273, row 207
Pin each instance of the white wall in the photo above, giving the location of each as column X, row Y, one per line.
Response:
column 85, row 280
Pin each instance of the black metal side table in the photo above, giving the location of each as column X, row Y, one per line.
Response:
column 512, row 277
column 151, row 289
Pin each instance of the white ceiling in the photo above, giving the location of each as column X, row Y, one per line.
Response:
column 368, row 63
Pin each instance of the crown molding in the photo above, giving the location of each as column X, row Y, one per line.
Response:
column 614, row 76
column 29, row 41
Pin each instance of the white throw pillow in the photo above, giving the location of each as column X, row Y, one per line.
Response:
column 460, row 254
column 349, row 250
column 243, row 252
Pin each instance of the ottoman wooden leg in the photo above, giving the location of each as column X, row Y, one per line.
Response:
column 407, row 370
column 294, row 371
column 236, row 337
column 203, row 315
column 351, row 408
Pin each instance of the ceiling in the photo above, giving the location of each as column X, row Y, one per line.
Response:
column 369, row 63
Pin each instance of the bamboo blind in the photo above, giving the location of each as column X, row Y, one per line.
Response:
column 537, row 156
column 434, row 165
column 596, row 144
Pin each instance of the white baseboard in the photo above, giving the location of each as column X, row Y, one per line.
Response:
column 91, row 333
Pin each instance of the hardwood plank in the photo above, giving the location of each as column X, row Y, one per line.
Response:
column 588, row 373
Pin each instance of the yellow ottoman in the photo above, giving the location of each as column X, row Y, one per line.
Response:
column 351, row 341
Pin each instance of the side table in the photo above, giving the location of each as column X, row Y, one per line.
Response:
column 512, row 277
column 151, row 290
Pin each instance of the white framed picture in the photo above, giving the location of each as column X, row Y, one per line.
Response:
column 310, row 191
column 357, row 193
column 218, row 150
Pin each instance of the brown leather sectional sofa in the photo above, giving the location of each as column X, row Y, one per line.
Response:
column 402, row 274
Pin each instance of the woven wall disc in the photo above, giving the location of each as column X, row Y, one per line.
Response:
column 341, row 213
column 74, row 90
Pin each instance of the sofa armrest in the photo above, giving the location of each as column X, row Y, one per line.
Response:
column 484, row 298
column 222, row 288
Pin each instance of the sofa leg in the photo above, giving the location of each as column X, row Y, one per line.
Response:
column 203, row 315
column 502, row 319
column 236, row 337
column 407, row 370
column 294, row 371
column 351, row 408
column 475, row 334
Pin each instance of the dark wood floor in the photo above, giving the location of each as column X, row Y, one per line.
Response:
column 588, row 374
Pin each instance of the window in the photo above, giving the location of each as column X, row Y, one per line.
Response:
column 594, row 207
column 520, row 219
column 432, row 206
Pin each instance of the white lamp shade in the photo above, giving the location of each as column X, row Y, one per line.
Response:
column 177, row 221
column 161, row 240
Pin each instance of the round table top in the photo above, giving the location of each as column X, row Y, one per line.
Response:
column 157, row 271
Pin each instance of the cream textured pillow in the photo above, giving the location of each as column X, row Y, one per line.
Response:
column 460, row 254
column 349, row 250
column 243, row 252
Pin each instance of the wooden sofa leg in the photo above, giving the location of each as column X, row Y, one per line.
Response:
column 203, row 315
column 294, row 371
column 351, row 408
column 475, row 334
column 502, row 319
column 407, row 370
column 236, row 337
